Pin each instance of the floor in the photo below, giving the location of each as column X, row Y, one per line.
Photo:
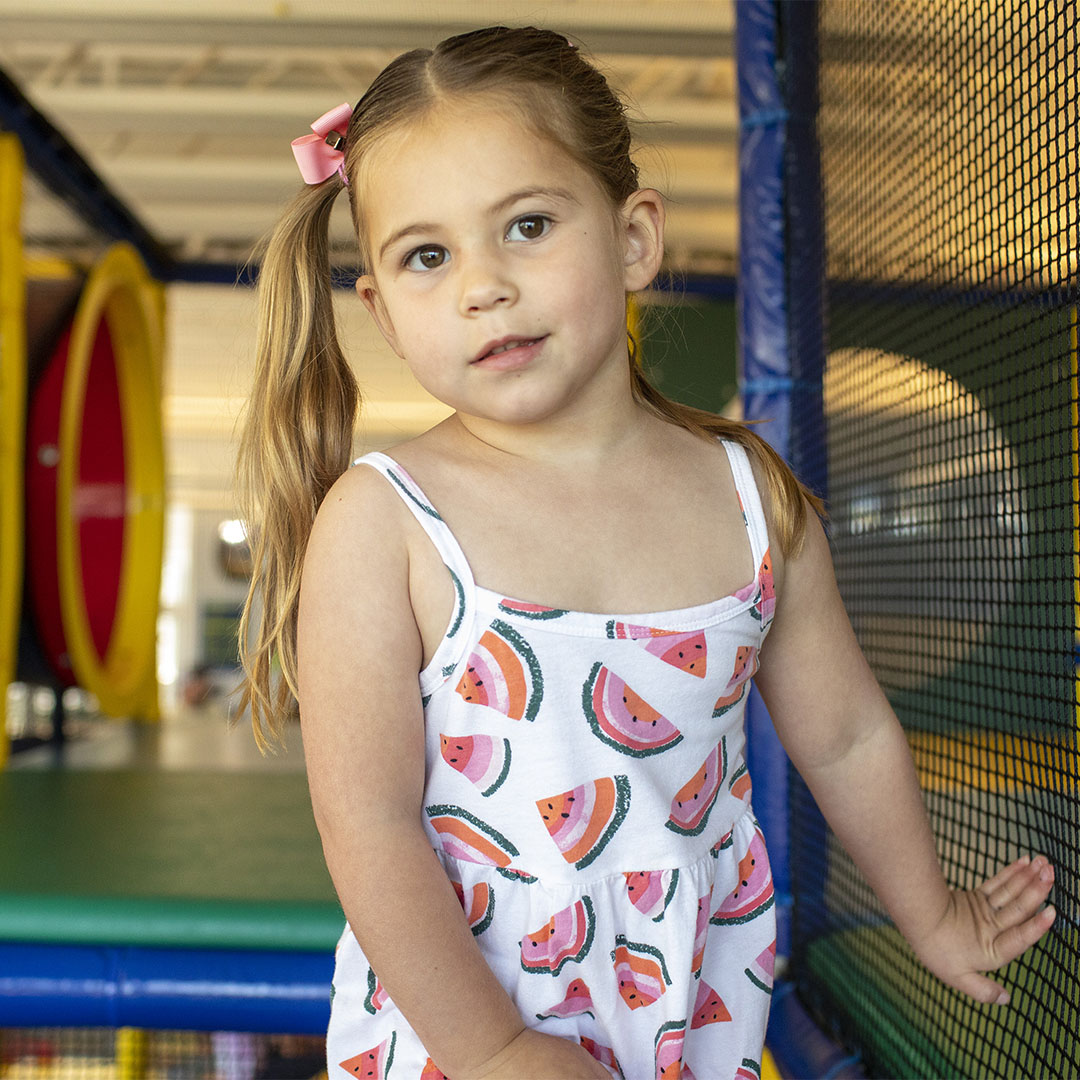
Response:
column 201, row 738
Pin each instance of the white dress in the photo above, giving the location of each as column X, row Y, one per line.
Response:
column 587, row 795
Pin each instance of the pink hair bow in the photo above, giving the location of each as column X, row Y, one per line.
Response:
column 320, row 155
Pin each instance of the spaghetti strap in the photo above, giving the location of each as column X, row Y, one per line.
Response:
column 446, row 657
column 749, row 499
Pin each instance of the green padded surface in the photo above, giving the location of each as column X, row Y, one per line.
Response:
column 211, row 860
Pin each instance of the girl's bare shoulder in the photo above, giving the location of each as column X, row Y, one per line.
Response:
column 359, row 493
column 362, row 526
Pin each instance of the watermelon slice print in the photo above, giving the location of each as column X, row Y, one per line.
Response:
column 765, row 607
column 748, row 1070
column 464, row 836
column 641, row 972
column 708, row 1007
column 633, row 632
column 481, row 759
column 746, row 664
column 761, row 971
column 740, row 785
column 577, row 1002
column 669, row 1047
column 583, row 820
column 650, row 891
column 694, row 800
column 480, row 909
column 565, row 938
column 531, row 611
column 502, row 672
column 512, row 873
column 701, row 932
column 604, row 1054
column 376, row 995
column 753, row 894
column 432, row 1071
column 685, row 651
column 763, row 590
column 375, row 1063
column 722, row 844
column 622, row 719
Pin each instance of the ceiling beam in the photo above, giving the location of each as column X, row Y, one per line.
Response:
column 697, row 28
column 175, row 176
column 199, row 110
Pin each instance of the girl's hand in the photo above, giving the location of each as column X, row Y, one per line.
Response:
column 535, row 1056
column 984, row 928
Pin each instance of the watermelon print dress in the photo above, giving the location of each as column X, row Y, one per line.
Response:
column 587, row 795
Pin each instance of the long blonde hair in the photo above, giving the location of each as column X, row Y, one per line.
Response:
column 298, row 425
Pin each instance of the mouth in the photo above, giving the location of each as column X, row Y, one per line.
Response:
column 505, row 345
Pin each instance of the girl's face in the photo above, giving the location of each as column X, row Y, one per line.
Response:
column 499, row 268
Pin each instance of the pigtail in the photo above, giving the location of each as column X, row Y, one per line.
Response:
column 788, row 497
column 296, row 441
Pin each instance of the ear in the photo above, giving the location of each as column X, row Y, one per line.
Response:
column 372, row 299
column 643, row 224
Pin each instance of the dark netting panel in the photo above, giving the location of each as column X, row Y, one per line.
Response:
column 949, row 143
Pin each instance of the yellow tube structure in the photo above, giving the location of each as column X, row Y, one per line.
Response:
column 120, row 293
column 12, row 414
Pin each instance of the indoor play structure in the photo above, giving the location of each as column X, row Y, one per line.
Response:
column 84, row 491
column 907, row 323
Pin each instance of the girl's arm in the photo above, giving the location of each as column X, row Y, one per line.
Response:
column 359, row 651
column 842, row 735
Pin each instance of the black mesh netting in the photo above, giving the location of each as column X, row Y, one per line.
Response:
column 949, row 152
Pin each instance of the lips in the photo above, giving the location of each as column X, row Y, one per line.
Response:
column 503, row 345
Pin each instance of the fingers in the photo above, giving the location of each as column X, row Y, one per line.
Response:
column 1004, row 874
column 982, row 989
column 1017, row 892
column 1009, row 945
column 1012, row 942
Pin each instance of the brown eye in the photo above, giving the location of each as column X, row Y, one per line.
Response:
column 426, row 258
column 531, row 227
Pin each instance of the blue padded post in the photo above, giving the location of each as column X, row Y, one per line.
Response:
column 804, row 217
column 172, row 989
column 764, row 362
column 779, row 303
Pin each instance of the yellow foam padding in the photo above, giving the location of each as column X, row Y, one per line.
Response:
column 994, row 761
column 120, row 291
column 48, row 268
column 132, row 1053
column 769, row 1070
column 12, row 414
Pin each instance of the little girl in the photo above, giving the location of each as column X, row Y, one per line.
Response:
column 522, row 642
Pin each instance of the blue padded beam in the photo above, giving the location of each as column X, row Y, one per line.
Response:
column 181, row 989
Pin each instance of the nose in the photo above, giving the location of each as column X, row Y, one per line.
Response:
column 485, row 285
